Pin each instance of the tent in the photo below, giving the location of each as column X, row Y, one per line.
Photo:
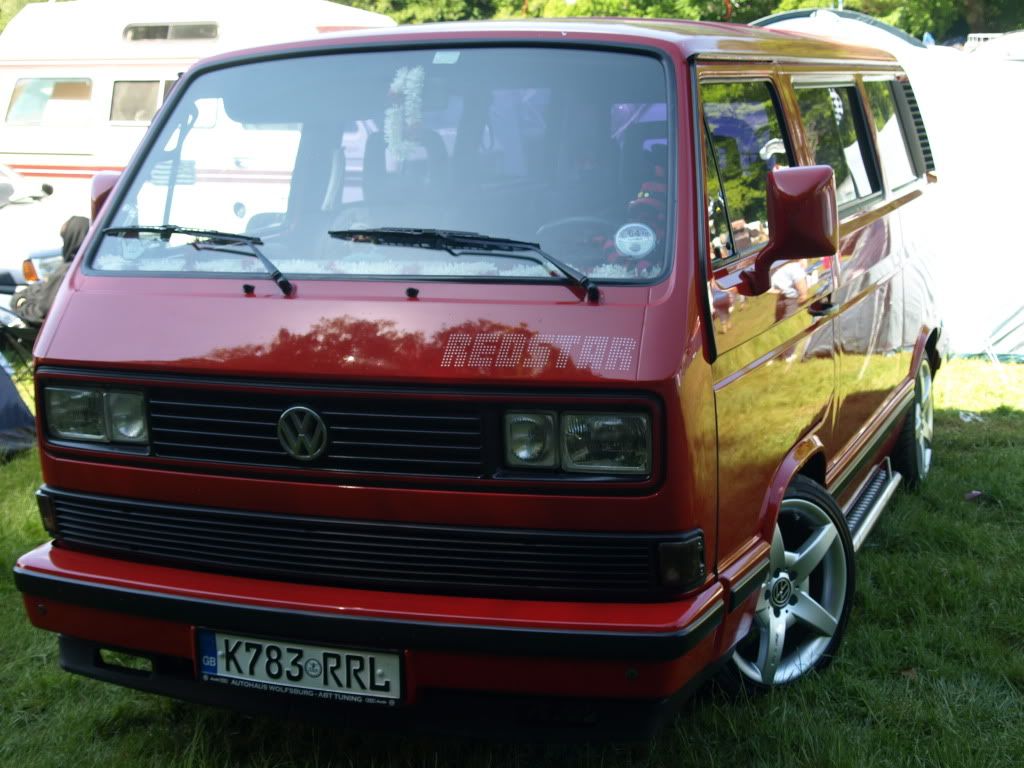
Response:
column 17, row 426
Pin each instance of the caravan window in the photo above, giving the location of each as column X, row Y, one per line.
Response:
column 186, row 31
column 50, row 101
column 134, row 101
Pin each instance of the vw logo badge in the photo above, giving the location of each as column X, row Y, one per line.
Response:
column 782, row 591
column 302, row 433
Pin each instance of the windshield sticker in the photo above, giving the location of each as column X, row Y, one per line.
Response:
column 635, row 240
column 518, row 350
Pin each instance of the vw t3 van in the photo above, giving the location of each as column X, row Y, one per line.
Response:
column 498, row 373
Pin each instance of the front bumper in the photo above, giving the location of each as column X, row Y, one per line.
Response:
column 570, row 659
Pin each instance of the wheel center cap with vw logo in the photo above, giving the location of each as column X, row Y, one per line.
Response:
column 302, row 433
column 780, row 592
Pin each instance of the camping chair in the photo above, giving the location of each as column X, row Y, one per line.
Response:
column 16, row 341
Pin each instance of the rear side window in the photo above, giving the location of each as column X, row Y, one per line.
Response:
column 892, row 144
column 835, row 136
column 745, row 141
column 50, row 101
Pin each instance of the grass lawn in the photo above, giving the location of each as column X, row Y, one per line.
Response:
column 931, row 672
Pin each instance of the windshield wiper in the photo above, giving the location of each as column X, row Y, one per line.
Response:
column 207, row 238
column 460, row 243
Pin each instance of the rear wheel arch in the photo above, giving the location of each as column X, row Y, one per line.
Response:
column 931, row 348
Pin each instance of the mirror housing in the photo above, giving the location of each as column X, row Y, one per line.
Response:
column 803, row 222
column 102, row 185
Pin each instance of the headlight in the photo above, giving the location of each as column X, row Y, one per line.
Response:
column 76, row 414
column 617, row 443
column 126, row 412
column 530, row 440
column 596, row 443
column 95, row 415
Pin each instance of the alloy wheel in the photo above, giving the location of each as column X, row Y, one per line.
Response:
column 802, row 601
column 924, row 419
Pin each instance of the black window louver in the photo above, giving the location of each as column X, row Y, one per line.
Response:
column 921, row 148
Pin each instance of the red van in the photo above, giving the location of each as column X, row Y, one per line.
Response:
column 531, row 372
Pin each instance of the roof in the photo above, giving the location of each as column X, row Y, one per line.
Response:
column 692, row 38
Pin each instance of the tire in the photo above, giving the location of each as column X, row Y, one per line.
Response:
column 912, row 456
column 804, row 605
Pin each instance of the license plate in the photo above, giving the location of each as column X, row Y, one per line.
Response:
column 317, row 672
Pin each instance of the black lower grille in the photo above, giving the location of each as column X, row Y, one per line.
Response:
column 393, row 556
column 365, row 435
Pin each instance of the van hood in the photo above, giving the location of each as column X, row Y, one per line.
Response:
column 353, row 331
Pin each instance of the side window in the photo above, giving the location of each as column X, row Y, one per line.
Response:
column 744, row 142
column 892, row 144
column 835, row 136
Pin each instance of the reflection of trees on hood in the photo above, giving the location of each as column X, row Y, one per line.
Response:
column 332, row 342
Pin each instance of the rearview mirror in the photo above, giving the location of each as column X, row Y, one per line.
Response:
column 102, row 185
column 802, row 221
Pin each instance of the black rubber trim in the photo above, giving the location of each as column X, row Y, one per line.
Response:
column 466, row 714
column 373, row 632
column 747, row 585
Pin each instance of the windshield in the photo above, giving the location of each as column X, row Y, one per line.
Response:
column 566, row 148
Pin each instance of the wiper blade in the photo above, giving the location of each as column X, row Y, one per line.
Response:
column 458, row 243
column 207, row 238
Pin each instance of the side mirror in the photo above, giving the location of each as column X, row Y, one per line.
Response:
column 102, row 185
column 802, row 221
column 46, row 189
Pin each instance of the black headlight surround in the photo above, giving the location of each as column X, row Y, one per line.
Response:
column 491, row 403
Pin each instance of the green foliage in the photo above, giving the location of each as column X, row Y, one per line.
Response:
column 940, row 17
column 421, row 11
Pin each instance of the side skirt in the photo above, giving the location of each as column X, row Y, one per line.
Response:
column 864, row 509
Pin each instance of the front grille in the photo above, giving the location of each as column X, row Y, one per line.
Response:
column 375, row 555
column 409, row 437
